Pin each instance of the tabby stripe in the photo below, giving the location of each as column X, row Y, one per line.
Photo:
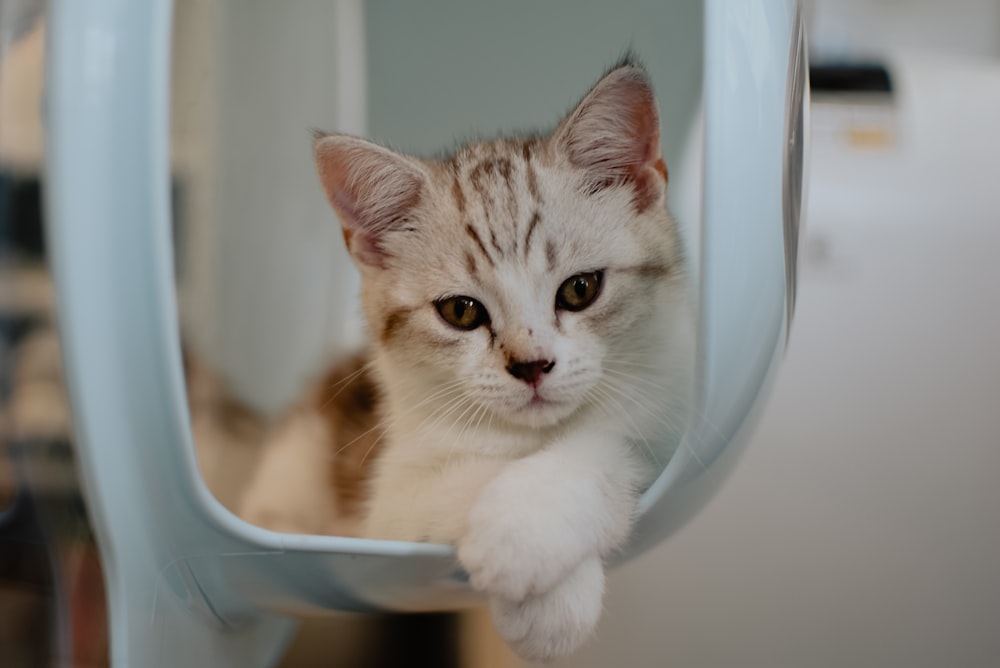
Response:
column 550, row 254
column 479, row 242
column 504, row 166
column 647, row 270
column 529, row 171
column 506, row 169
column 496, row 243
column 535, row 218
column 456, row 189
column 476, row 177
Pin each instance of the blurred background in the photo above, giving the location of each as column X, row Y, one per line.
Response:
column 860, row 527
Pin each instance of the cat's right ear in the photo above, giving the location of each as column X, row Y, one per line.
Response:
column 372, row 189
column 613, row 135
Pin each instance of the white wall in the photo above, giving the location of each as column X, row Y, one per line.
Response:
column 873, row 27
column 443, row 71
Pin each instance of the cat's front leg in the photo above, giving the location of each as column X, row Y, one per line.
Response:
column 544, row 515
column 424, row 502
column 291, row 491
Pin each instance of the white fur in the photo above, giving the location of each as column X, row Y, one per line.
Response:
column 552, row 625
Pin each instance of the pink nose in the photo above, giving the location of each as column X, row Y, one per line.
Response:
column 530, row 372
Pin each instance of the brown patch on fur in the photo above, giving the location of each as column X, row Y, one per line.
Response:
column 393, row 322
column 347, row 398
column 647, row 190
column 661, row 168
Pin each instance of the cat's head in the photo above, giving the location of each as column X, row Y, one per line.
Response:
column 515, row 273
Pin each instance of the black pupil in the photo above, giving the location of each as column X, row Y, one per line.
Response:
column 580, row 287
column 460, row 306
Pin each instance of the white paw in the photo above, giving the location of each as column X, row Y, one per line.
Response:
column 553, row 625
column 517, row 541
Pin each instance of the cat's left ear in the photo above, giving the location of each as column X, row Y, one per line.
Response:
column 613, row 135
column 373, row 190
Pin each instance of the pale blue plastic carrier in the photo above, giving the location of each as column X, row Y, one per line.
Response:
column 189, row 583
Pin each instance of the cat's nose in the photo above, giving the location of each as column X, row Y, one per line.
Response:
column 530, row 372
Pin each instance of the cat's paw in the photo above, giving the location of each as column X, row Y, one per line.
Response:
column 553, row 625
column 517, row 541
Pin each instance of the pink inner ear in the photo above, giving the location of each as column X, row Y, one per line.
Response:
column 614, row 135
column 372, row 189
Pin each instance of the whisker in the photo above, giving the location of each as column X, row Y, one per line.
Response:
column 444, row 391
column 443, row 412
column 344, row 382
column 658, row 416
column 440, row 409
column 476, row 416
column 636, row 378
column 677, row 428
column 446, row 407
column 453, row 442
column 635, row 427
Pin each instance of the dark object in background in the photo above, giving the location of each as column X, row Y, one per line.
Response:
column 27, row 587
column 850, row 78
column 21, row 230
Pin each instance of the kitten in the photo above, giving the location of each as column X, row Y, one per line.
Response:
column 532, row 340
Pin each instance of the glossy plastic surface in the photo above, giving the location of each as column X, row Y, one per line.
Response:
column 191, row 584
column 750, row 49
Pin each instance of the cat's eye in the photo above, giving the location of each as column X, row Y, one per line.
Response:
column 462, row 312
column 579, row 291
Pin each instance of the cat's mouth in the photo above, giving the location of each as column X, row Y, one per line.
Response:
column 538, row 400
column 541, row 410
column 537, row 407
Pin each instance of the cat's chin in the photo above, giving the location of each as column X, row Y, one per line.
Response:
column 541, row 413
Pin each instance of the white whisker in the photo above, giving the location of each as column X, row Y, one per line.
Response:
column 385, row 426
